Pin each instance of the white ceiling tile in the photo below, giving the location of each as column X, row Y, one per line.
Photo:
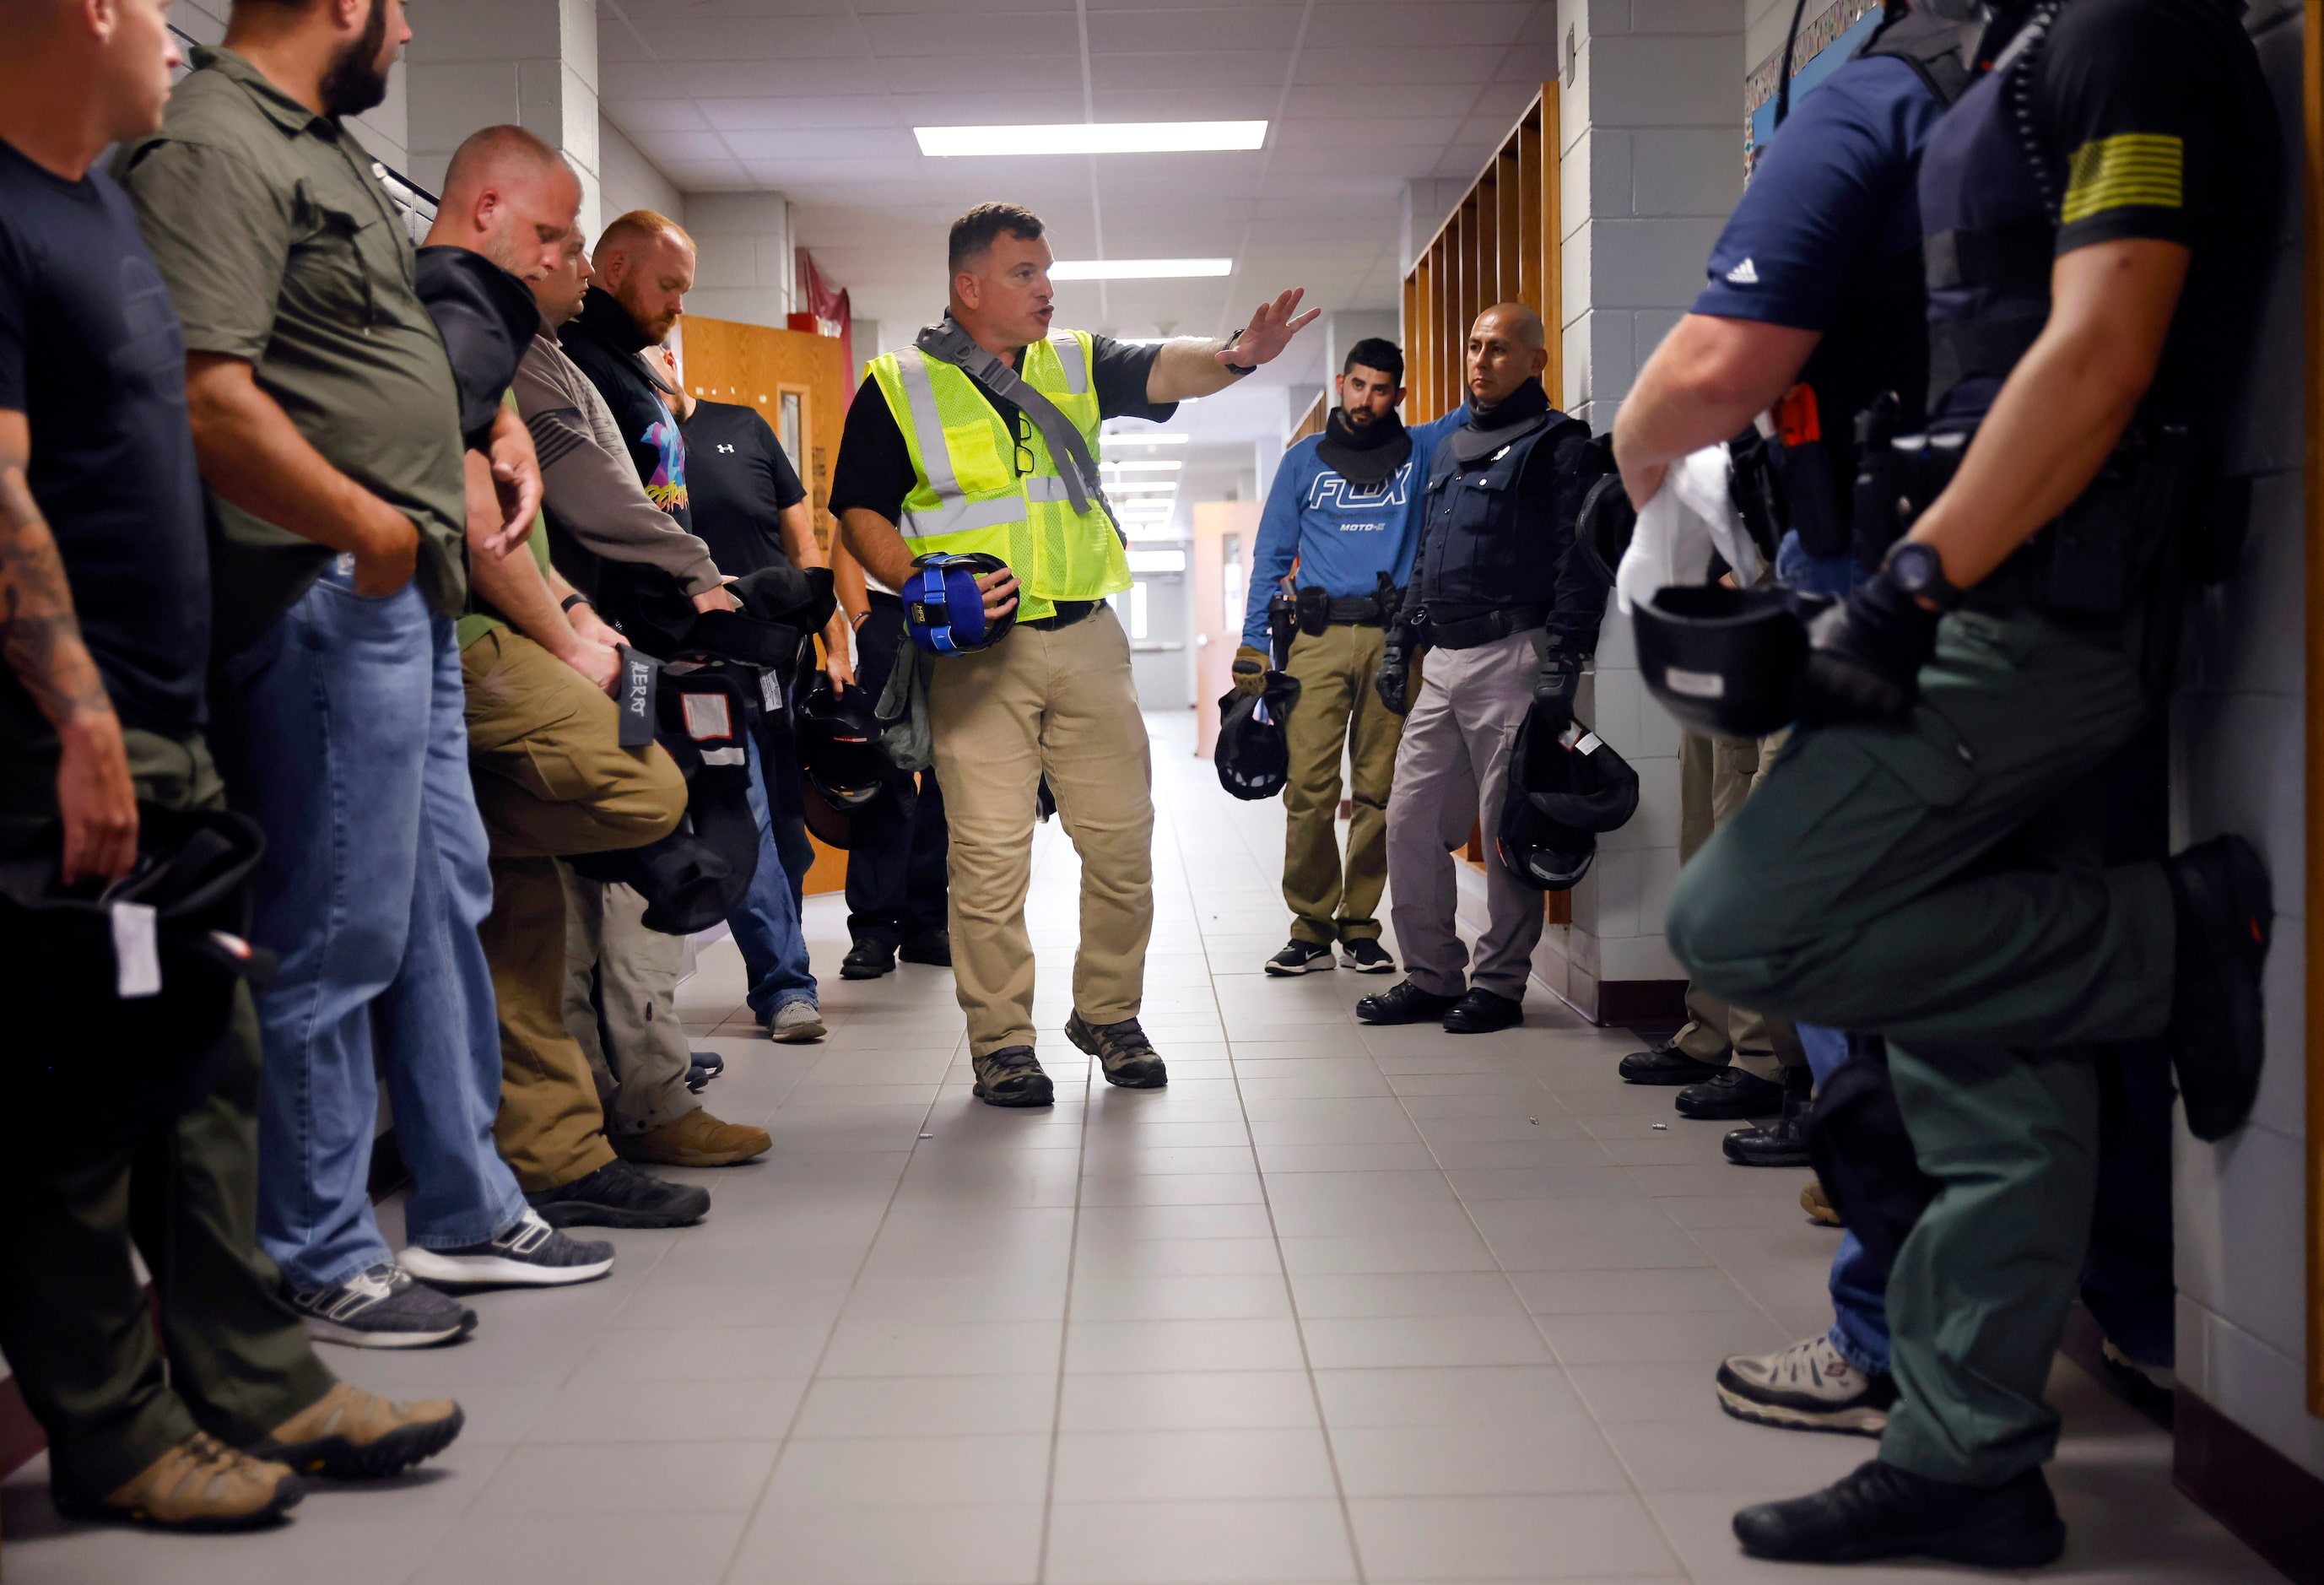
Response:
column 929, row 74
column 1332, row 66
column 1194, row 71
column 1371, row 26
column 968, row 32
column 680, row 41
column 1240, row 27
column 636, row 116
column 818, row 114
column 857, row 144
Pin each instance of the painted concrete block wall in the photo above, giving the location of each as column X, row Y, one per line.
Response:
column 530, row 62
column 627, row 180
column 2238, row 750
column 743, row 270
column 1650, row 163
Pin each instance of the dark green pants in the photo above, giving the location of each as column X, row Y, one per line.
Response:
column 74, row 1323
column 1941, row 883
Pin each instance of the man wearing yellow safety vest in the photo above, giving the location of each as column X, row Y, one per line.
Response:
column 982, row 437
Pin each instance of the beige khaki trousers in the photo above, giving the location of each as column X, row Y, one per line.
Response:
column 1715, row 775
column 639, row 1053
column 1338, row 708
column 1057, row 702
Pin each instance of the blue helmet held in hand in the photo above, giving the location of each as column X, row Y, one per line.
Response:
column 943, row 610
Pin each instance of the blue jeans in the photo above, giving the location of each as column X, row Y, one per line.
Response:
column 355, row 760
column 1815, row 575
column 767, row 926
column 1859, row 1284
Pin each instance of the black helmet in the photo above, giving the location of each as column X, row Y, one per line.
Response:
column 1725, row 662
column 1560, row 796
column 1603, row 527
column 1254, row 761
column 851, row 794
column 83, row 1021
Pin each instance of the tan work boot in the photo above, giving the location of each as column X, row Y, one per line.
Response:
column 695, row 1140
column 1818, row 1204
column 200, row 1484
column 351, row 1435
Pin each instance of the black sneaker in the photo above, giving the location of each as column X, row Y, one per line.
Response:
column 1731, row 1093
column 1884, row 1511
column 934, row 949
column 1123, row 1050
column 1666, row 1064
column 868, row 959
column 2226, row 917
column 617, row 1195
column 1480, row 1012
column 530, row 1255
column 1785, row 1141
column 1405, row 1003
column 1301, row 957
column 1808, row 1387
column 382, row 1308
column 1366, row 955
column 702, row 1067
column 1011, row 1076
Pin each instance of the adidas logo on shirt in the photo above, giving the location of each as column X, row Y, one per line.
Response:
column 1743, row 274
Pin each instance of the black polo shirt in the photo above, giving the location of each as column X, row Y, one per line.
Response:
column 741, row 483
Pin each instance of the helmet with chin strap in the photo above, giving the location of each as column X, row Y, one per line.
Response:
column 943, row 610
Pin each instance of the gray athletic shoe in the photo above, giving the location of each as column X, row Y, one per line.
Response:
column 529, row 1255
column 382, row 1308
column 1011, row 1076
column 1808, row 1387
column 795, row 1022
column 1127, row 1054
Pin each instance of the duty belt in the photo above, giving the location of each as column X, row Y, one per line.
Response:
column 1492, row 626
column 1068, row 612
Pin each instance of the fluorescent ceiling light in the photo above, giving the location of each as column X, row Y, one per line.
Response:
column 1144, row 487
column 1157, row 561
column 1148, row 466
column 1137, row 268
column 1124, row 438
column 1078, row 137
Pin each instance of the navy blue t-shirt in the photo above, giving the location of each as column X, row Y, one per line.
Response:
column 1834, row 194
column 90, row 354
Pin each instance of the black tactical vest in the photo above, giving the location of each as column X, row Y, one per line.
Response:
column 1479, row 551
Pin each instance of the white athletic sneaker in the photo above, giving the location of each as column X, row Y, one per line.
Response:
column 796, row 1021
column 530, row 1255
column 1807, row 1387
column 382, row 1308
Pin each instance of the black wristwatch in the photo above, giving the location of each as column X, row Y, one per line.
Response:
column 1920, row 572
column 1238, row 370
column 570, row 600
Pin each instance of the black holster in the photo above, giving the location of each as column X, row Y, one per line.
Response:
column 1314, row 611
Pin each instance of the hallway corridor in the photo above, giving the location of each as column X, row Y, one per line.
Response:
column 1339, row 1305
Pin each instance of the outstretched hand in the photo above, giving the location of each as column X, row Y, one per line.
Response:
column 1270, row 331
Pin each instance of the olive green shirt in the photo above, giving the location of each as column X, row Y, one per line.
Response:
column 280, row 247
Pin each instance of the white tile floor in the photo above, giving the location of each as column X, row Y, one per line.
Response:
column 1339, row 1305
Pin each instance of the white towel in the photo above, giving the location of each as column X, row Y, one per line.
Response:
column 1690, row 516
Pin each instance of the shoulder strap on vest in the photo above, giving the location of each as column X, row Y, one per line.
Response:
column 948, row 343
column 1936, row 48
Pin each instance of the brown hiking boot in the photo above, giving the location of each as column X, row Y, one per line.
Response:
column 1818, row 1204
column 695, row 1140
column 351, row 1435
column 200, row 1484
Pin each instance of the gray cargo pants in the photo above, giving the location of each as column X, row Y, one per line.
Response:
column 1449, row 773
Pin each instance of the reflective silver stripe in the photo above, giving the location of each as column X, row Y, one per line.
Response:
column 1069, row 352
column 958, row 517
column 1045, row 487
column 928, row 423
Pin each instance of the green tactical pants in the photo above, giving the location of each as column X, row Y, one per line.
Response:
column 73, row 1322
column 1940, row 883
column 1338, row 708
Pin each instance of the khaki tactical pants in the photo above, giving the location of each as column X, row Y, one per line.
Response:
column 641, row 1054
column 1058, row 703
column 552, row 779
column 1337, row 703
column 1715, row 776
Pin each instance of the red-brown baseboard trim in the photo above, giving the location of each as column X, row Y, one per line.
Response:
column 1656, row 1003
column 2272, row 1504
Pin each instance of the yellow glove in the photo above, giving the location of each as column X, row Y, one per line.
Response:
column 1250, row 670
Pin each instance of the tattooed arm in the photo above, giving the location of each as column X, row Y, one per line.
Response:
column 40, row 639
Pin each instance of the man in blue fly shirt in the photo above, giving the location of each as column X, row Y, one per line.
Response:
column 1343, row 509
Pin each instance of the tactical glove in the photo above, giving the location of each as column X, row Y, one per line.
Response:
column 1553, row 688
column 1249, row 670
column 1393, row 682
column 1865, row 657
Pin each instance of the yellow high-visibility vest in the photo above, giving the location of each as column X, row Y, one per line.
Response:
column 967, row 494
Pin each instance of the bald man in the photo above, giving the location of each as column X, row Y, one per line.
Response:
column 1507, row 619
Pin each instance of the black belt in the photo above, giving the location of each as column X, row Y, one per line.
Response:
column 1066, row 613
column 1490, row 628
column 1355, row 611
